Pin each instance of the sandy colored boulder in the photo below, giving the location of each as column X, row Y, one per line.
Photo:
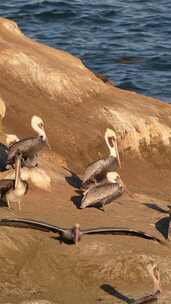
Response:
column 77, row 107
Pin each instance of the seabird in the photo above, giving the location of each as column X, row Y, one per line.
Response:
column 4, row 150
column 104, row 192
column 20, row 188
column 12, row 190
column 155, row 274
column 96, row 171
column 11, row 139
column 29, row 147
column 74, row 234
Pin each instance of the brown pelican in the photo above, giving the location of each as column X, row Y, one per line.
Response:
column 20, row 187
column 11, row 139
column 6, row 185
column 96, row 171
column 12, row 190
column 155, row 274
column 4, row 150
column 74, row 234
column 104, row 192
column 29, row 147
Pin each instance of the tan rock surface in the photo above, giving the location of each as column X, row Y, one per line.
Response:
column 77, row 107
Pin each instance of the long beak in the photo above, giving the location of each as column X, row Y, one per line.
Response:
column 125, row 188
column 157, row 284
column 17, row 171
column 76, row 236
column 117, row 152
column 128, row 192
column 48, row 144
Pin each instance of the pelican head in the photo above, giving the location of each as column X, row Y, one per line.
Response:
column 111, row 141
column 38, row 126
column 113, row 177
column 76, row 233
column 155, row 274
column 11, row 139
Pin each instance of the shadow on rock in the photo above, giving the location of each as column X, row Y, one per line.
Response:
column 163, row 226
column 154, row 206
column 113, row 292
column 61, row 240
column 73, row 179
column 76, row 199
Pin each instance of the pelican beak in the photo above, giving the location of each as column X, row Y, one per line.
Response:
column 157, row 284
column 48, row 144
column 117, row 153
column 128, row 192
column 17, row 169
column 76, row 234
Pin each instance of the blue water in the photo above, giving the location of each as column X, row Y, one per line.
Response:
column 128, row 41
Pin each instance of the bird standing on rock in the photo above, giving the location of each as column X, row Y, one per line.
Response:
column 97, row 171
column 4, row 150
column 29, row 147
column 12, row 190
column 20, row 187
column 103, row 193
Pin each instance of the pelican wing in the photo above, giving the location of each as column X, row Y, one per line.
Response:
column 27, row 146
column 6, row 184
column 32, row 224
column 100, row 194
column 3, row 156
column 148, row 298
column 121, row 231
column 93, row 170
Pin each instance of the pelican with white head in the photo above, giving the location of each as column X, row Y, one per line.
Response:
column 30, row 146
column 38, row 126
column 11, row 139
column 113, row 177
column 111, row 141
column 97, row 171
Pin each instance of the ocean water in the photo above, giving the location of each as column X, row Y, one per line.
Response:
column 127, row 41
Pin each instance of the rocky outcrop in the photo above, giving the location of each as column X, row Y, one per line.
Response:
column 76, row 105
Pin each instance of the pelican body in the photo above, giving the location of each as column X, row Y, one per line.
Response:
column 155, row 275
column 96, row 171
column 20, row 188
column 29, row 147
column 104, row 192
column 74, row 234
column 12, row 190
column 4, row 150
column 6, row 185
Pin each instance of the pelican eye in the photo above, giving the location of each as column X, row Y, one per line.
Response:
column 155, row 270
column 111, row 140
column 41, row 126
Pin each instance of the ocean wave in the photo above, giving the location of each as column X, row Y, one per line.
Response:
column 115, row 38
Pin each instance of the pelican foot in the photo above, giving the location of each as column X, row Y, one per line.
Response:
column 101, row 208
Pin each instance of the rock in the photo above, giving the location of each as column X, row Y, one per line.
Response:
column 75, row 104
column 37, row 302
column 77, row 107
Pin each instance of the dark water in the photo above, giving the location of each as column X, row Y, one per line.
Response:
column 128, row 41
